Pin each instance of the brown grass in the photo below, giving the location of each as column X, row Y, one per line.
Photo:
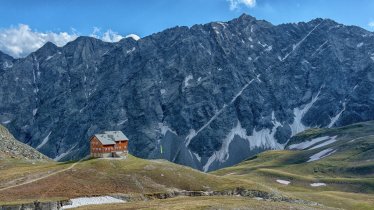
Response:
column 215, row 202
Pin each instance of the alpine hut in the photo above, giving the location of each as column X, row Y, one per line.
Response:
column 109, row 144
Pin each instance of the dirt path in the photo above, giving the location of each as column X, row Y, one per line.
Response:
column 42, row 177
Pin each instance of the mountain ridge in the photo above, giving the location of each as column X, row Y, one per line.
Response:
column 211, row 94
column 242, row 16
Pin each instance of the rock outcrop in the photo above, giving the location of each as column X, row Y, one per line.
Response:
column 12, row 148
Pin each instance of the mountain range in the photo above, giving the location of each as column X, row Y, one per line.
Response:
column 206, row 96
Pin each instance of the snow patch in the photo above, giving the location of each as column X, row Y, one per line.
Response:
column 187, row 80
column 280, row 181
column 82, row 109
column 307, row 144
column 241, row 91
column 222, row 24
column 263, row 138
column 130, row 51
column 336, row 118
column 360, row 44
column 122, row 122
column 164, row 129
column 262, row 45
column 321, row 154
column 45, row 140
column 297, row 126
column 269, row 48
column 49, row 57
column 6, row 65
column 319, row 184
column 330, row 141
column 192, row 135
column 295, row 46
column 106, row 52
column 5, row 122
column 162, row 91
column 34, row 111
column 258, row 77
column 197, row 156
column 62, row 155
column 83, row 201
column 36, row 89
column 209, row 162
column 305, row 61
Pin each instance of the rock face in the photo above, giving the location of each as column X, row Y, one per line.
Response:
column 11, row 148
column 207, row 96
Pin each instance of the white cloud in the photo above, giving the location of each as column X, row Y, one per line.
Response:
column 108, row 36
column 111, row 36
column 20, row 41
column 371, row 24
column 234, row 4
column 134, row 36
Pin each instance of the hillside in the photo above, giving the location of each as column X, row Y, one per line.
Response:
column 12, row 148
column 132, row 178
column 337, row 178
column 142, row 183
column 284, row 179
column 211, row 95
column 102, row 176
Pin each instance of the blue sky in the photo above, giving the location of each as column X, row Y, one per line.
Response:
column 144, row 17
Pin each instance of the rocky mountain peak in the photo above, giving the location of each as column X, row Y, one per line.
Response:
column 245, row 20
column 49, row 46
column 48, row 49
column 246, row 17
column 209, row 95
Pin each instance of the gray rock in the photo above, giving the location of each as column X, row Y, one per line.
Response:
column 211, row 95
column 12, row 148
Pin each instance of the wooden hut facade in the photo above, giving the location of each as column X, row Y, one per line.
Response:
column 109, row 144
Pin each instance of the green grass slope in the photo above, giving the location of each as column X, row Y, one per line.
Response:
column 93, row 177
column 348, row 172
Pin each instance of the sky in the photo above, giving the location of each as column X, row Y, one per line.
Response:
column 26, row 25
